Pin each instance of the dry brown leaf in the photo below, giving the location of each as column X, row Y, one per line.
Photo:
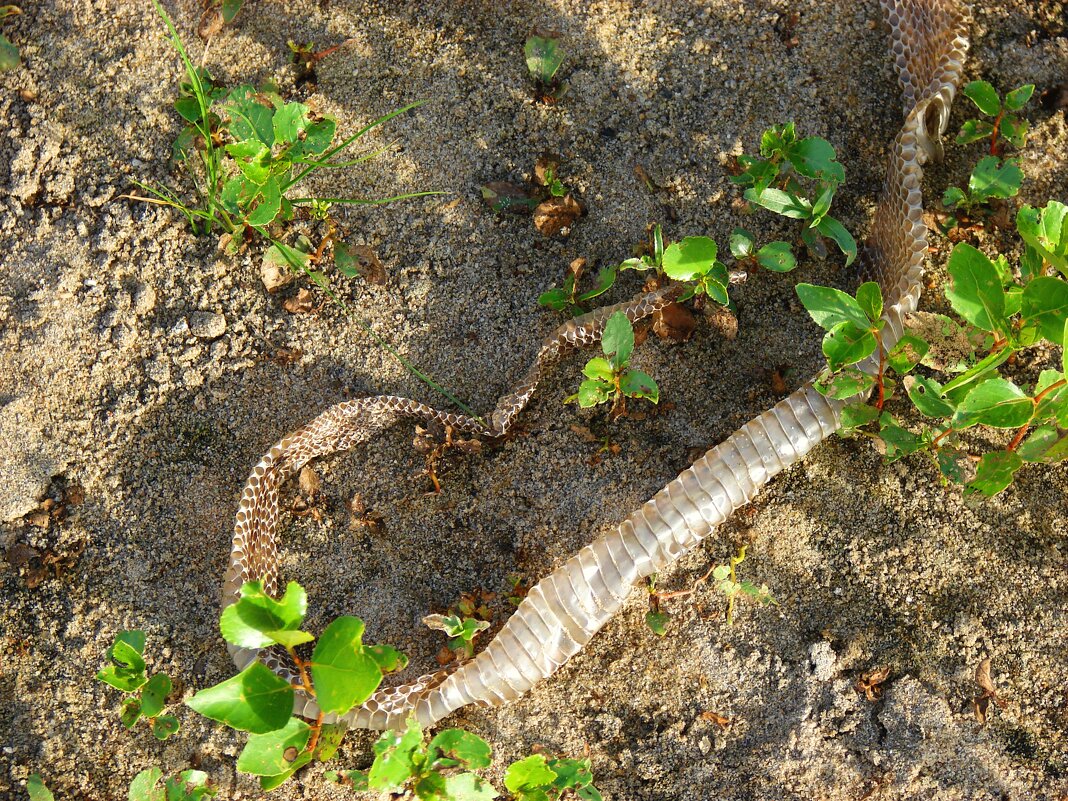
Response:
column 722, row 321
column 275, row 276
column 981, row 704
column 715, row 717
column 302, row 303
column 577, row 267
column 870, row 683
column 308, row 481
column 584, row 433
column 982, row 677
column 20, row 554
column 503, row 196
column 39, row 518
column 211, row 22
column 674, row 322
column 556, row 215
column 370, row 266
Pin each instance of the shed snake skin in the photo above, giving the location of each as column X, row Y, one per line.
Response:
column 566, row 608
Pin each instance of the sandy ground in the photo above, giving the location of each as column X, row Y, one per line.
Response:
column 141, row 366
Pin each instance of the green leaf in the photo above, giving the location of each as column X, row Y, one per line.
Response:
column 952, row 196
column 859, row 414
column 271, row 782
column 143, row 787
column 163, row 726
column 846, row 344
column 845, row 384
column 154, row 695
column 393, row 764
column 468, row 787
column 870, row 298
column 571, row 773
column 994, row 178
column 742, row 243
column 130, row 711
column 543, row 56
column 822, row 204
column 690, row 258
column 268, row 207
column 606, row 277
column 758, row 173
column 831, row 227
column 1017, row 98
column 266, row 754
column 1046, row 231
column 594, row 392
column 529, row 773
column 555, row 299
column 777, row 257
column 814, row 157
column 248, row 117
column 599, row 368
column 926, row 396
column 781, row 202
column 9, row 54
column 949, row 464
column 388, row 658
column 318, row 136
column 907, row 353
column 285, row 257
column 188, row 107
column 237, row 194
column 899, row 441
column 128, row 671
column 976, row 292
column 657, row 622
column 984, row 96
column 617, row 341
column 342, row 674
column 1014, row 131
column 255, row 700
column 289, row 122
column 973, row 131
column 830, row 307
column 257, row 620
column 1045, row 303
column 229, row 10
column 995, row 472
column 1047, row 445
column 658, row 245
column 636, row 384
column 458, row 748
column 776, row 139
column 37, row 789
column 996, row 402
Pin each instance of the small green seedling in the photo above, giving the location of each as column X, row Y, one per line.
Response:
column 692, row 259
column 568, row 298
column 1006, row 127
column 460, row 630
column 541, row 778
column 610, row 379
column 341, row 673
column 775, row 256
column 725, row 580
column 1045, row 235
column 189, row 785
column 146, row 697
column 782, row 178
column 9, row 53
column 992, row 178
column 436, row 771
column 544, row 59
column 246, row 152
column 37, row 789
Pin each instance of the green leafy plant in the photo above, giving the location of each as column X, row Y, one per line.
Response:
column 692, row 259
column 610, row 379
column 246, row 152
column 993, row 176
column 568, row 298
column 189, row 785
column 1006, row 127
column 1045, row 235
column 9, row 53
column 798, row 178
column 226, row 9
column 461, row 632
column 541, row 778
column 341, row 673
column 37, row 789
column 725, row 581
column 775, row 256
column 1002, row 313
column 146, row 696
column 544, row 58
column 438, row 770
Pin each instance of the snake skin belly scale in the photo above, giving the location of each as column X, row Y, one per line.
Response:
column 566, row 608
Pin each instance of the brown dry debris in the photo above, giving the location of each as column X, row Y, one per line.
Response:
column 870, row 683
column 981, row 703
column 556, row 215
column 674, row 322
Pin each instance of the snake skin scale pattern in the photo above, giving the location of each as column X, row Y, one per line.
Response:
column 566, row 608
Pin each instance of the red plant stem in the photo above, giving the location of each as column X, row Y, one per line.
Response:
column 316, row 730
column 940, row 437
column 994, row 135
column 1036, row 400
column 663, row 596
column 1019, row 437
column 882, row 369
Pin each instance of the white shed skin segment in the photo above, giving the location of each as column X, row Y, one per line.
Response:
column 566, row 608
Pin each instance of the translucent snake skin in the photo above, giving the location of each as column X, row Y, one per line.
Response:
column 566, row 608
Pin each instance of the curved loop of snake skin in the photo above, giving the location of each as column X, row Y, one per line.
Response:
column 566, row 608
